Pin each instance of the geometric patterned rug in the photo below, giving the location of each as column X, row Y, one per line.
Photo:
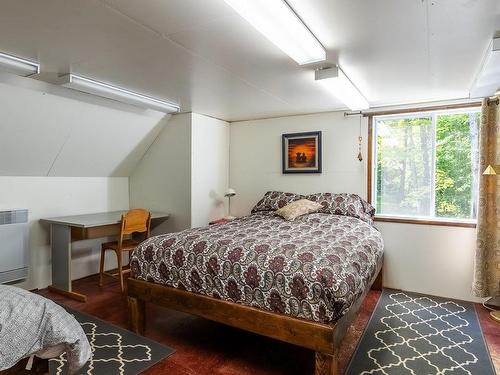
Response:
column 114, row 350
column 414, row 334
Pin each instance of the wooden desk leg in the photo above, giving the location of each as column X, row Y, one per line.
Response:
column 60, row 244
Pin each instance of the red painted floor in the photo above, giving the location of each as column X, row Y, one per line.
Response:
column 204, row 347
column 491, row 332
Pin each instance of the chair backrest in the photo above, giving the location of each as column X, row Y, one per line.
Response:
column 136, row 220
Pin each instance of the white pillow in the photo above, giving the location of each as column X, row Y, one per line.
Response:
column 298, row 208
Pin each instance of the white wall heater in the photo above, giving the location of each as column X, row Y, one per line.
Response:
column 13, row 245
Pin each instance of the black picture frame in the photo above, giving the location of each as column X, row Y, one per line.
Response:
column 310, row 148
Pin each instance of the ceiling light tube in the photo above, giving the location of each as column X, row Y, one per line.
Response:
column 18, row 66
column 279, row 23
column 105, row 90
column 335, row 80
column 487, row 81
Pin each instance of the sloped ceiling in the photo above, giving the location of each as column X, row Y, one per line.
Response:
column 201, row 54
column 53, row 131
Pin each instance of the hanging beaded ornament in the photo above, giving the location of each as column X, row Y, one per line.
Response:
column 360, row 139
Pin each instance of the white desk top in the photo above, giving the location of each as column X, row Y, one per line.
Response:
column 97, row 219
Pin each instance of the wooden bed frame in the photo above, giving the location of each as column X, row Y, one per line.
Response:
column 39, row 367
column 324, row 339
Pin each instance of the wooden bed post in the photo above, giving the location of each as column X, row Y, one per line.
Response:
column 136, row 315
column 326, row 364
column 378, row 284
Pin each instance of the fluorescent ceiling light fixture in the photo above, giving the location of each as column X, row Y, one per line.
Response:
column 487, row 81
column 105, row 90
column 339, row 84
column 279, row 23
column 18, row 66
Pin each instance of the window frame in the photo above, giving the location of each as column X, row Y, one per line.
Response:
column 371, row 167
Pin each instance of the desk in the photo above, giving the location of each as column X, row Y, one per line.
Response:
column 67, row 229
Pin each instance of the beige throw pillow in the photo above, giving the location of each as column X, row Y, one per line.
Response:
column 298, row 208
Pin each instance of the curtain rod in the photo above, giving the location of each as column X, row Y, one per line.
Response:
column 353, row 113
column 414, row 109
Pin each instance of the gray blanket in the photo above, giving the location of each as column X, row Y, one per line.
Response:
column 33, row 325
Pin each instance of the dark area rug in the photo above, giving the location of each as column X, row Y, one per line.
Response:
column 414, row 334
column 115, row 350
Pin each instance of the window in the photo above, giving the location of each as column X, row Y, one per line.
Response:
column 426, row 165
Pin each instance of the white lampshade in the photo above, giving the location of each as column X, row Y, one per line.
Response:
column 490, row 171
column 230, row 192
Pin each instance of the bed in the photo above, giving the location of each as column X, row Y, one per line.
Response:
column 31, row 325
column 299, row 281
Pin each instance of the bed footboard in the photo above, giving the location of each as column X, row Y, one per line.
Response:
column 316, row 336
column 324, row 339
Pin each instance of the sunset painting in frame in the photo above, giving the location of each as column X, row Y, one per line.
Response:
column 302, row 152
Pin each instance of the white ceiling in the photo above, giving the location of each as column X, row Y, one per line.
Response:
column 201, row 54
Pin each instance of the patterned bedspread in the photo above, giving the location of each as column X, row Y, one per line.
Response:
column 313, row 268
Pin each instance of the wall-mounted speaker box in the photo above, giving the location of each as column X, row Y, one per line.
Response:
column 13, row 245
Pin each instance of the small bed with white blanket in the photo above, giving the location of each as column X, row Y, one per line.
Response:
column 33, row 325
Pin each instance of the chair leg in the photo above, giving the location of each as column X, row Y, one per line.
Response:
column 101, row 265
column 120, row 271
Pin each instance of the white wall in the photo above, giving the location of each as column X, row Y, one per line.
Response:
column 184, row 172
column 209, row 169
column 81, row 140
column 255, row 157
column 421, row 258
column 48, row 130
column 162, row 179
column 429, row 259
column 56, row 196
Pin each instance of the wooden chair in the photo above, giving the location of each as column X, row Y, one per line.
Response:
column 134, row 221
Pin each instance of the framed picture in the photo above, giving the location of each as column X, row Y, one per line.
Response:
column 301, row 152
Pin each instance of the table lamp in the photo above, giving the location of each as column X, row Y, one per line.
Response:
column 229, row 193
column 491, row 170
